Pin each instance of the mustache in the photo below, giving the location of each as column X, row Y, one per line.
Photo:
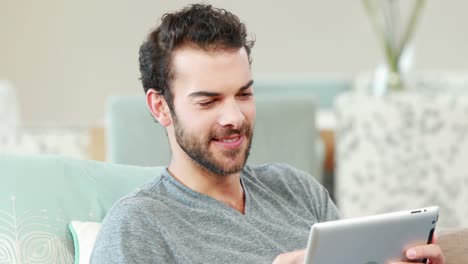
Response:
column 226, row 132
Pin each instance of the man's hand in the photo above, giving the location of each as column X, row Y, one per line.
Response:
column 431, row 252
column 293, row 257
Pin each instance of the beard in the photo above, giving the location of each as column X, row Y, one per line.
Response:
column 198, row 149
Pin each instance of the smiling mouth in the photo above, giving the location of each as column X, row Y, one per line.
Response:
column 229, row 139
column 230, row 142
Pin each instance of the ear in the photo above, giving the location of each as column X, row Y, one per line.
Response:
column 158, row 107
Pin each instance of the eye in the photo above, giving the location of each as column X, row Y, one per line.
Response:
column 206, row 103
column 246, row 94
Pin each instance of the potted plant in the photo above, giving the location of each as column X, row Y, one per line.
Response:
column 395, row 34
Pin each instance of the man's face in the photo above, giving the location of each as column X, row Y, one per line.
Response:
column 214, row 107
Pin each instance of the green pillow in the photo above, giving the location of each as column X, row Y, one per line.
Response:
column 39, row 195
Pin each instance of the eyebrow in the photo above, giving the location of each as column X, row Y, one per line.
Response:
column 211, row 94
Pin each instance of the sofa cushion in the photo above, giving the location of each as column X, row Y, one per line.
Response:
column 39, row 195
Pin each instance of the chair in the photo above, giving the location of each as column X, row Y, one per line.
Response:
column 324, row 89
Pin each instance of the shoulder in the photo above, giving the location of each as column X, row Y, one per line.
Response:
column 130, row 221
column 127, row 224
column 138, row 207
column 143, row 200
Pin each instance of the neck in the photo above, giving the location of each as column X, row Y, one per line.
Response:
column 224, row 188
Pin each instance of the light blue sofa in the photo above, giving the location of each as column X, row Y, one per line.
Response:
column 324, row 89
column 40, row 195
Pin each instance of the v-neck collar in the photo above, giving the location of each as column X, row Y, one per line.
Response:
column 210, row 200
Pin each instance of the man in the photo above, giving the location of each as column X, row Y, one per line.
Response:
column 208, row 206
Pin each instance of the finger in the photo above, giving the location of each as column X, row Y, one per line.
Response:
column 426, row 251
column 299, row 256
column 293, row 257
column 398, row 262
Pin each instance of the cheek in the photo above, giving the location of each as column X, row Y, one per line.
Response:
column 199, row 124
column 250, row 112
column 195, row 123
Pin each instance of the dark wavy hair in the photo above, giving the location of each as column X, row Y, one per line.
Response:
column 202, row 25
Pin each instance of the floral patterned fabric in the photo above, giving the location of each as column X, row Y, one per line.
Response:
column 402, row 151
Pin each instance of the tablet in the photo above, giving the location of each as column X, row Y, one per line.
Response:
column 371, row 240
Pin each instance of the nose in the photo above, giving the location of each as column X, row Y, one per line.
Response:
column 231, row 115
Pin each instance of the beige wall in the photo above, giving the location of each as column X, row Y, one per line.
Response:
column 66, row 56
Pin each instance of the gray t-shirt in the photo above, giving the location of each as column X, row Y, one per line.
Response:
column 166, row 222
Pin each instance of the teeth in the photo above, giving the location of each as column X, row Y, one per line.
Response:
column 229, row 140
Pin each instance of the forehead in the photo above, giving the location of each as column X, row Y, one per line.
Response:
column 219, row 70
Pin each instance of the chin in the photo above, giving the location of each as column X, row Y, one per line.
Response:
column 226, row 167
